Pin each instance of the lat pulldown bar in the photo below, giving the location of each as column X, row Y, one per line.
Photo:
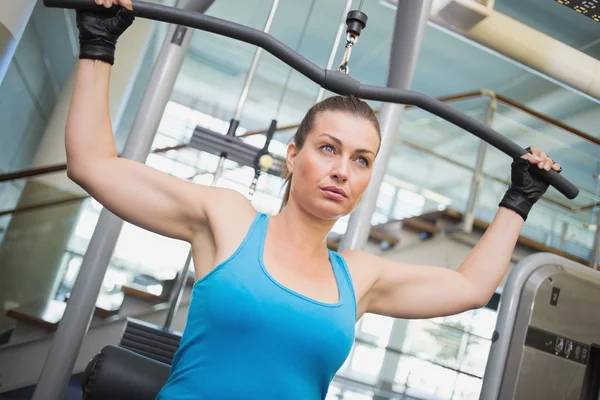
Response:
column 334, row 81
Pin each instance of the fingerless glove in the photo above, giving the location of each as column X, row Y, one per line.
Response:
column 99, row 32
column 526, row 187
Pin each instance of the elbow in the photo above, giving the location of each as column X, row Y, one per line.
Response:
column 77, row 173
column 481, row 300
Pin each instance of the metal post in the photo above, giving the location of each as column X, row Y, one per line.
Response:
column 563, row 235
column 467, row 225
column 75, row 322
column 177, row 292
column 596, row 249
column 247, row 84
column 411, row 21
column 336, row 44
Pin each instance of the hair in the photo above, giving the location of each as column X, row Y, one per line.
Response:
column 346, row 104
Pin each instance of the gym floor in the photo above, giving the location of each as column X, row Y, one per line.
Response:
column 73, row 391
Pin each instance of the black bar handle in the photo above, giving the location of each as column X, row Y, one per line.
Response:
column 334, row 81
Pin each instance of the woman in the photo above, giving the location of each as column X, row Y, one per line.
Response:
column 273, row 310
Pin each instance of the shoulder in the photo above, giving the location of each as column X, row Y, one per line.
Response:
column 228, row 206
column 361, row 260
column 364, row 271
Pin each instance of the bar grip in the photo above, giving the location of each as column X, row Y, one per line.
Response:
column 557, row 181
column 331, row 80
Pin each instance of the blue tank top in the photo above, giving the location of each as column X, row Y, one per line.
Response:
column 248, row 337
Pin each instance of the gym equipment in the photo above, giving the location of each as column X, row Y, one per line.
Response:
column 334, row 81
column 547, row 339
column 336, row 44
column 120, row 374
column 136, row 369
column 231, row 147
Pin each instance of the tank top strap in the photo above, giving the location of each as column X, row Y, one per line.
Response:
column 344, row 279
column 258, row 232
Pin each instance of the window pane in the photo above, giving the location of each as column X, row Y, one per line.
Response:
column 376, row 329
column 476, row 356
column 434, row 342
column 424, row 379
column 385, row 197
column 366, row 363
column 408, row 204
column 484, row 322
column 460, row 321
column 352, row 395
column 467, row 388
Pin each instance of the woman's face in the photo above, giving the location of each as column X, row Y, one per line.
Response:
column 333, row 168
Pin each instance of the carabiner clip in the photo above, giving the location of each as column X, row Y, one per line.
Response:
column 350, row 42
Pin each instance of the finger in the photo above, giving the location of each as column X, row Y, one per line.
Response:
column 556, row 167
column 541, row 164
column 99, row 2
column 125, row 3
column 107, row 3
column 534, row 150
column 529, row 157
column 533, row 159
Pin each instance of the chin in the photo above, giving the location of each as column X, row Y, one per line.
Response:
column 329, row 210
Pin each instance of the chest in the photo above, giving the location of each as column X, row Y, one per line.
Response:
column 314, row 278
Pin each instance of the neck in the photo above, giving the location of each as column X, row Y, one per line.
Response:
column 302, row 230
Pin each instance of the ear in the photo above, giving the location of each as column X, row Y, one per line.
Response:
column 290, row 157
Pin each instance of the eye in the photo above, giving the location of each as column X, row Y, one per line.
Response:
column 327, row 148
column 363, row 161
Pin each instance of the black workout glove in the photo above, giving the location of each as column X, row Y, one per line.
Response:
column 525, row 188
column 98, row 33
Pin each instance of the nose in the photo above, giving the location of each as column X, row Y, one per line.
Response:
column 340, row 171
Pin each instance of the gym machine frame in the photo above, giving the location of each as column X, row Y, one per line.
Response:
column 546, row 344
column 335, row 81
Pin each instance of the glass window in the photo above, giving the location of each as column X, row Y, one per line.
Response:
column 467, row 388
column 366, row 363
column 483, row 322
column 351, row 395
column 376, row 329
column 435, row 342
column 423, row 379
column 476, row 355
column 408, row 204
column 385, row 198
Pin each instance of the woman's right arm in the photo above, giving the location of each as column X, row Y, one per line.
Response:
column 133, row 191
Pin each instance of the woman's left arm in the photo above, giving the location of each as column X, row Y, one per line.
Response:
column 421, row 291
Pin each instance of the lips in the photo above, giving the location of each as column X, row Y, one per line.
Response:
column 334, row 192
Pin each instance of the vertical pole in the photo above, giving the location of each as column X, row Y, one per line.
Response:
column 467, row 225
column 596, row 249
column 246, row 89
column 77, row 317
column 595, row 255
column 411, row 21
column 254, row 65
column 13, row 21
column 177, row 292
column 563, row 235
